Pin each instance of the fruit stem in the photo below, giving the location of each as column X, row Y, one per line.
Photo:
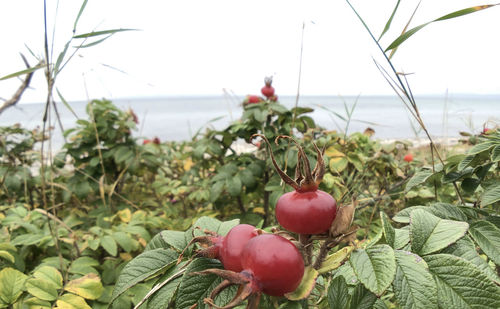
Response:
column 305, row 241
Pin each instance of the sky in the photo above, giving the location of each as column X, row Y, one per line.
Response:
column 202, row 47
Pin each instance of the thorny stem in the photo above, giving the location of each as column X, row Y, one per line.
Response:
column 305, row 241
column 327, row 245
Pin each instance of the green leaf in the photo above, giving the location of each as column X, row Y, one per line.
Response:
column 402, row 237
column 429, row 233
column 480, row 148
column 487, row 236
column 389, row 21
column 247, row 178
column 194, row 288
column 50, row 274
column 6, row 255
column 109, row 244
column 466, row 249
column 441, row 210
column 142, row 267
column 455, row 14
column 124, row 240
column 306, row 285
column 99, row 33
column 465, row 162
column 175, row 239
column 163, row 297
column 63, row 100
column 88, row 286
column 71, row 301
column 495, row 154
column 389, row 232
column 42, row 289
column 82, row 8
column 11, row 285
column 35, row 303
column 413, row 285
column 233, row 185
column 375, row 267
column 460, row 284
column 362, row 298
column 338, row 293
column 417, row 179
column 491, row 195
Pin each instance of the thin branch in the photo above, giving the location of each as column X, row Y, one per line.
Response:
column 17, row 95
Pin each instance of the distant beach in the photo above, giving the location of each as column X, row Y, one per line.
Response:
column 179, row 118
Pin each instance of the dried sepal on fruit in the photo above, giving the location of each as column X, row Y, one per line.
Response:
column 307, row 210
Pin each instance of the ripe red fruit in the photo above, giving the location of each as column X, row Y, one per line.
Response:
column 408, row 158
column 268, row 90
column 146, row 141
column 251, row 99
column 306, row 210
column 231, row 246
column 156, row 141
column 274, row 263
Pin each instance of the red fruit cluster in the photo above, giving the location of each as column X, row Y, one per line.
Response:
column 155, row 141
column 267, row 91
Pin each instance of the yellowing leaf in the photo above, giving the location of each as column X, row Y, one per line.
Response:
column 125, row 256
column 125, row 215
column 259, row 210
column 88, row 286
column 71, row 301
column 335, row 260
column 332, row 152
column 7, row 256
column 338, row 164
column 50, row 274
column 306, row 285
column 188, row 163
column 11, row 285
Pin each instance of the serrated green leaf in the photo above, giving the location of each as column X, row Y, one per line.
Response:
column 193, row 288
column 402, row 237
column 487, row 236
column 164, row 296
column 465, row 162
column 71, row 301
column 109, row 244
column 124, row 240
column 466, row 249
column 417, row 179
column 338, row 293
column 495, row 154
column 389, row 232
column 226, row 226
column 88, row 286
column 233, row 185
column 429, row 233
column 347, row 272
column 491, row 195
column 50, row 274
column 375, row 267
column 306, row 285
column 42, row 289
column 413, row 285
column 11, row 285
column 460, row 284
column 142, row 267
column 480, row 148
column 362, row 298
column 175, row 239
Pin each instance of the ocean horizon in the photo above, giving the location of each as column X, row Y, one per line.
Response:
column 178, row 118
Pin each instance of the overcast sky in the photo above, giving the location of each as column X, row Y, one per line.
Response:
column 200, row 47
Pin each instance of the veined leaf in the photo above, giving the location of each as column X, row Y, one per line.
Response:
column 389, row 232
column 71, row 301
column 491, row 195
column 417, row 179
column 306, row 285
column 142, row 267
column 11, row 285
column 375, row 267
column 338, row 293
column 362, row 298
column 460, row 284
column 429, row 233
column 455, row 14
column 414, row 286
column 487, row 236
column 88, row 286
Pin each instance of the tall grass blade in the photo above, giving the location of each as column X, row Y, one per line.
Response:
column 60, row 58
column 388, row 24
column 405, row 28
column 82, row 8
column 23, row 72
column 63, row 100
column 455, row 14
column 95, row 43
column 99, row 33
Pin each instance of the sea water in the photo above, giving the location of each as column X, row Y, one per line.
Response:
column 179, row 118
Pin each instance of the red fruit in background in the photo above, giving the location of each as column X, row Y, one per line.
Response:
column 274, row 263
column 146, row 141
column 232, row 245
column 486, row 130
column 309, row 212
column 251, row 99
column 156, row 141
column 408, row 158
column 273, row 98
column 268, row 90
